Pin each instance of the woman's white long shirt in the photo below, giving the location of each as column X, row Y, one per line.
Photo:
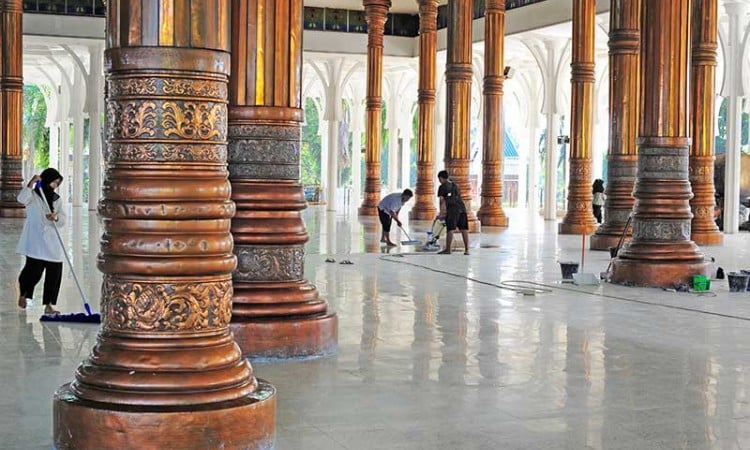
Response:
column 38, row 238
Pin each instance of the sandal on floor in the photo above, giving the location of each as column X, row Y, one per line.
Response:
column 330, row 260
column 444, row 252
column 346, row 262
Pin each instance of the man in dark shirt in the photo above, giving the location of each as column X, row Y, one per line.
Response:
column 454, row 209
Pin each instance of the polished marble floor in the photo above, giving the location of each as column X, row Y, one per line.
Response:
column 434, row 352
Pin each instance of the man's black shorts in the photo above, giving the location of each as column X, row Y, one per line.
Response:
column 385, row 220
column 457, row 221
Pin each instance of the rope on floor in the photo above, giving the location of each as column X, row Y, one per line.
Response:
column 519, row 286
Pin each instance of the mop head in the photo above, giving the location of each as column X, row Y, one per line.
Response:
column 75, row 317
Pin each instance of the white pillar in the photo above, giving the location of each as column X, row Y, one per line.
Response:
column 533, row 160
column 332, row 182
column 392, row 117
column 54, row 145
column 407, row 136
column 734, row 91
column 94, row 100
column 550, row 107
column 323, row 133
column 77, row 112
column 65, row 160
column 357, row 123
column 438, row 158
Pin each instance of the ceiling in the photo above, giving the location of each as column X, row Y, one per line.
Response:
column 397, row 6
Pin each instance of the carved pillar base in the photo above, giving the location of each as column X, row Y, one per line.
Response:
column 371, row 197
column 580, row 216
column 10, row 183
column 275, row 312
column 459, row 173
column 282, row 320
column 619, row 204
column 703, row 227
column 661, row 253
column 246, row 423
column 424, row 206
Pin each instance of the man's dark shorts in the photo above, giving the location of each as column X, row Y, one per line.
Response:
column 457, row 221
column 385, row 220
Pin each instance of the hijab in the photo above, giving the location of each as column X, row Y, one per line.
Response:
column 45, row 191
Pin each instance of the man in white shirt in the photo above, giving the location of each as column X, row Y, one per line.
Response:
column 388, row 209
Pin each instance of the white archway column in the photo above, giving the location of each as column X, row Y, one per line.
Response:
column 77, row 113
column 95, row 106
column 357, row 111
column 407, row 136
column 393, row 117
column 734, row 92
column 553, row 120
column 323, row 133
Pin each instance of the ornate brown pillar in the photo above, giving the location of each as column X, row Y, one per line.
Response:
column 165, row 371
column 579, row 218
column 11, row 111
column 458, row 72
column 275, row 312
column 624, row 94
column 375, row 15
column 661, row 253
column 491, row 212
column 702, row 84
column 424, row 207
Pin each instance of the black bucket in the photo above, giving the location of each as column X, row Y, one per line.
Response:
column 568, row 268
column 738, row 281
column 746, row 272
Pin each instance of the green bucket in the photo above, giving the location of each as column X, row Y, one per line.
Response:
column 701, row 283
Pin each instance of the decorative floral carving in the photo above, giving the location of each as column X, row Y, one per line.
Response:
column 661, row 230
column 132, row 86
column 269, row 263
column 214, row 153
column 194, row 120
column 195, row 88
column 175, row 306
column 131, row 119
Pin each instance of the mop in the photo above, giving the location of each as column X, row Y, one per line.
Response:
column 88, row 316
column 409, row 240
column 582, row 278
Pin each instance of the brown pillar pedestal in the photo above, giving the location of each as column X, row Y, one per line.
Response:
column 705, row 35
column 275, row 312
column 661, row 253
column 458, row 73
column 424, row 207
column 624, row 94
column 375, row 14
column 11, row 111
column 491, row 211
column 579, row 218
column 165, row 371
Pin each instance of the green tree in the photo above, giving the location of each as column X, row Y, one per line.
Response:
column 310, row 150
column 35, row 136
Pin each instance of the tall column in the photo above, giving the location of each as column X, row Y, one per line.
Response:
column 624, row 105
column 275, row 312
column 357, row 127
column 11, row 111
column 491, row 212
column 165, row 371
column 64, row 168
column 458, row 72
column 375, row 14
column 77, row 111
column 661, row 253
column 424, row 205
column 94, row 95
column 333, row 118
column 407, row 137
column 553, row 119
column 579, row 218
column 705, row 37
column 734, row 92
column 54, row 144
column 393, row 115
